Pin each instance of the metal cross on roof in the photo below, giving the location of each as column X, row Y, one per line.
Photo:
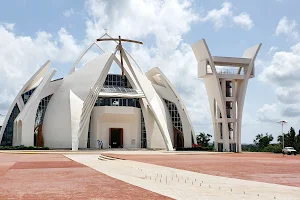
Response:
column 120, row 47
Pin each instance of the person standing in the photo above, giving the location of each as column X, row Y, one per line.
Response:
column 99, row 144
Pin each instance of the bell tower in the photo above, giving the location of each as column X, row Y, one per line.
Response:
column 226, row 80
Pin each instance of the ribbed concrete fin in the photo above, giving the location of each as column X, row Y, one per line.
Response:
column 154, row 101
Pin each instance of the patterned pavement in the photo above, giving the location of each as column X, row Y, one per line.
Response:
column 53, row 176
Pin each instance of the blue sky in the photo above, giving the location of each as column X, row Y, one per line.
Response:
column 31, row 32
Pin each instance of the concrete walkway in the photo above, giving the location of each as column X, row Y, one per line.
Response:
column 181, row 184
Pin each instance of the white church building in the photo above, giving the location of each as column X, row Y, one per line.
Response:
column 130, row 110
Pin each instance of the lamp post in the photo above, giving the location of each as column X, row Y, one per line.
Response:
column 282, row 122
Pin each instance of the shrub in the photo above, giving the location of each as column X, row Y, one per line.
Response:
column 250, row 148
column 275, row 148
column 195, row 149
column 22, row 147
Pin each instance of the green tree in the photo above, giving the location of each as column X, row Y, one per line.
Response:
column 262, row 141
column 297, row 142
column 203, row 139
column 290, row 138
column 279, row 139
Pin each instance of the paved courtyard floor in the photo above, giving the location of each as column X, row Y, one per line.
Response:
column 183, row 184
column 148, row 175
column 54, row 176
column 263, row 167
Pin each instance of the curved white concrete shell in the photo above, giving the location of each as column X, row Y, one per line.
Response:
column 226, row 80
column 89, row 105
column 18, row 105
column 167, row 91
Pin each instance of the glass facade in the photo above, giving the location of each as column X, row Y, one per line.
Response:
column 229, row 109
column 42, row 110
column 116, row 83
column 109, row 101
column 230, row 129
column 174, row 115
column 39, row 118
column 112, row 89
column 117, row 80
column 26, row 95
column 221, row 130
column 176, row 121
column 143, row 132
column 88, row 145
column 9, row 129
column 229, row 91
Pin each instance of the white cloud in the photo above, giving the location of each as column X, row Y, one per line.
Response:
column 287, row 27
column 283, row 72
column 218, row 17
column 291, row 111
column 21, row 56
column 268, row 113
column 166, row 21
column 267, row 108
column 243, row 20
column 68, row 49
column 288, row 95
column 272, row 113
column 68, row 13
column 284, row 69
column 9, row 26
column 272, row 50
column 224, row 17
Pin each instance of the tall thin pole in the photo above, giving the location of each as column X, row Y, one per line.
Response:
column 282, row 135
column 121, row 57
column 282, row 122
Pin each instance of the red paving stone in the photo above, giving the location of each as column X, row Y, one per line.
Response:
column 263, row 167
column 53, row 176
column 45, row 164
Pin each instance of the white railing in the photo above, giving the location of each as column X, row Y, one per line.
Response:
column 89, row 103
column 88, row 106
column 225, row 71
column 230, row 71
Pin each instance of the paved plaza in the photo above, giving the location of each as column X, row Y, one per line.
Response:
column 148, row 175
column 54, row 176
column 262, row 167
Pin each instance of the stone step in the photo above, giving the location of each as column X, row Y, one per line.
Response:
column 105, row 158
